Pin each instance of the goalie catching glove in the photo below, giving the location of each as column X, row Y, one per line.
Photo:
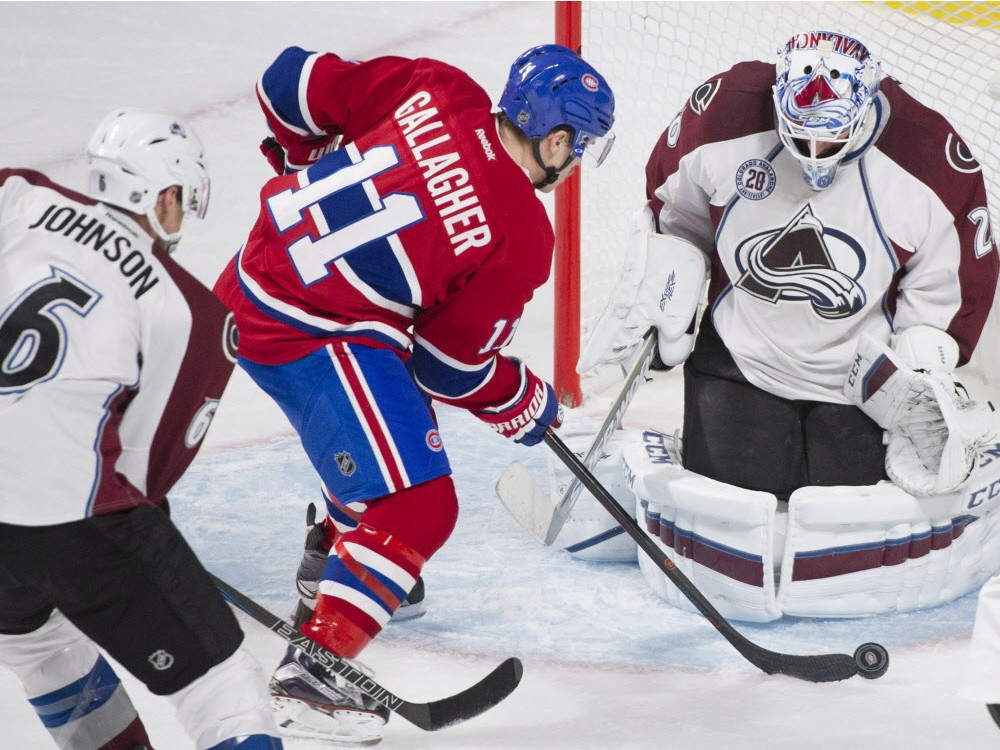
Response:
column 934, row 428
column 526, row 416
column 662, row 285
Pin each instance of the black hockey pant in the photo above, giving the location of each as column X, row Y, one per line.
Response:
column 739, row 434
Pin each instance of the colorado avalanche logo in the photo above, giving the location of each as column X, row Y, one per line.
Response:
column 804, row 262
column 959, row 156
column 755, row 179
column 702, row 96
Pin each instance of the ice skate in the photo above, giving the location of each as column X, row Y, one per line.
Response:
column 312, row 705
column 413, row 606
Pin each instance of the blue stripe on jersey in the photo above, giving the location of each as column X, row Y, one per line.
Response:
column 443, row 379
column 281, row 85
column 359, row 330
column 249, row 742
column 78, row 698
column 377, row 266
column 374, row 262
column 335, row 570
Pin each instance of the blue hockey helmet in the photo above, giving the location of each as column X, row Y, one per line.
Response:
column 550, row 86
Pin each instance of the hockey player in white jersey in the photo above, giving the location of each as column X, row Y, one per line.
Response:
column 832, row 233
column 112, row 362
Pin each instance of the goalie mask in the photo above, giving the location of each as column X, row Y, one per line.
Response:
column 133, row 156
column 551, row 86
column 826, row 83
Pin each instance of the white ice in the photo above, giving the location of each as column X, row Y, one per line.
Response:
column 607, row 664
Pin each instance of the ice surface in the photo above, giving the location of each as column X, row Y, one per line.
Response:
column 607, row 664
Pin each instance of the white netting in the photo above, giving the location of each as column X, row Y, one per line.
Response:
column 655, row 54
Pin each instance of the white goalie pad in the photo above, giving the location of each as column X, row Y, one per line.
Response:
column 662, row 285
column 853, row 551
column 721, row 537
column 590, row 532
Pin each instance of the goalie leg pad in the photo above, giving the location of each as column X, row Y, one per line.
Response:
column 855, row 551
column 720, row 536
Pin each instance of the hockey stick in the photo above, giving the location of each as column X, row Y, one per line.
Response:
column 522, row 497
column 432, row 716
column 870, row 660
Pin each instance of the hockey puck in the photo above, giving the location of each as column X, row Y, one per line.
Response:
column 872, row 660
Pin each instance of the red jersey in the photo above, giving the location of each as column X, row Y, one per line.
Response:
column 418, row 233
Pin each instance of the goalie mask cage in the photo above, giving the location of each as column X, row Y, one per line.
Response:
column 655, row 54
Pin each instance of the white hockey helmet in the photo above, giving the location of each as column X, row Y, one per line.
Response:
column 133, row 156
column 826, row 83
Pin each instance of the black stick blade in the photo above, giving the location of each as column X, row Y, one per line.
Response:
column 471, row 702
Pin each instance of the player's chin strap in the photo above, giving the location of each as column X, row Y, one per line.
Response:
column 167, row 240
column 551, row 173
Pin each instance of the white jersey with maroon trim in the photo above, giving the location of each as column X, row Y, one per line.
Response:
column 901, row 237
column 112, row 358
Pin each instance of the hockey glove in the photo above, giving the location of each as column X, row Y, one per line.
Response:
column 526, row 417
column 662, row 286
column 934, row 428
column 274, row 154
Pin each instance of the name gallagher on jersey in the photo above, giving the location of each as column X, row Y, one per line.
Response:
column 457, row 202
column 88, row 231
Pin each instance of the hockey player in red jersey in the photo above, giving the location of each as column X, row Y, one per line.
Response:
column 389, row 265
column 114, row 360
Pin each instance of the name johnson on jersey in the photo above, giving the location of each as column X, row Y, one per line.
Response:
column 113, row 246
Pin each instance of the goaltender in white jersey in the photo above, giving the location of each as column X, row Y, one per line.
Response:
column 842, row 232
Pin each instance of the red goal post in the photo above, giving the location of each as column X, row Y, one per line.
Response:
column 654, row 54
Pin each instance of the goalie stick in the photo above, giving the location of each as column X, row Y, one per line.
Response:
column 521, row 495
column 870, row 660
column 432, row 716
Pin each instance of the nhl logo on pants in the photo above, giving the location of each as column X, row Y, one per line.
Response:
column 345, row 463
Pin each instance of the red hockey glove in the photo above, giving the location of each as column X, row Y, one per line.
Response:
column 274, row 154
column 526, row 417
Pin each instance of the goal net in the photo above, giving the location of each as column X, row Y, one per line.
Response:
column 655, row 54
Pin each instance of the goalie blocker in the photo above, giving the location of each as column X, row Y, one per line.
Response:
column 834, row 552
column 661, row 286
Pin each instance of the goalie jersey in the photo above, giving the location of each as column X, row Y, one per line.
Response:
column 112, row 358
column 901, row 237
column 419, row 233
